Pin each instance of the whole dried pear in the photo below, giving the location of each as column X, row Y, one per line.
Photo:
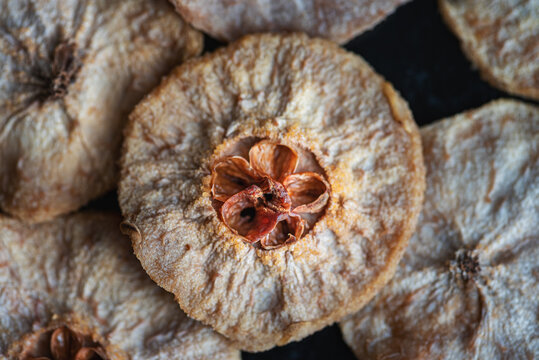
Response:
column 501, row 37
column 70, row 73
column 467, row 286
column 71, row 289
column 339, row 20
column 272, row 186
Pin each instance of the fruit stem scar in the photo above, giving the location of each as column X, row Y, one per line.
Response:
column 465, row 265
column 64, row 69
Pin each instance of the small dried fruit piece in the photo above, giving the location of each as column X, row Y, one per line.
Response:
column 307, row 222
column 501, row 37
column 467, row 286
column 70, row 72
column 335, row 20
column 70, row 289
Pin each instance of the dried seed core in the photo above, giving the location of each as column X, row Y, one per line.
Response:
column 63, row 343
column 465, row 265
column 263, row 199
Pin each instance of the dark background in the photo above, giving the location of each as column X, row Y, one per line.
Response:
column 415, row 51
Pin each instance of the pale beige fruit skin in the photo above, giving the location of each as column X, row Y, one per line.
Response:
column 337, row 20
column 501, row 37
column 56, row 155
column 482, row 194
column 297, row 91
column 80, row 270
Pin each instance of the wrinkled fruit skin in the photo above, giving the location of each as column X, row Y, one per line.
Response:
column 70, row 73
column 500, row 38
column 467, row 286
column 339, row 20
column 71, row 288
column 283, row 89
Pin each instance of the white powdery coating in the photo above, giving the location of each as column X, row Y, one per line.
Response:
column 482, row 197
column 80, row 271
column 501, row 37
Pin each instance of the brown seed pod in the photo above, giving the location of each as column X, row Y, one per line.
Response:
column 339, row 20
column 297, row 122
column 501, row 37
column 70, row 73
column 467, row 286
column 71, row 289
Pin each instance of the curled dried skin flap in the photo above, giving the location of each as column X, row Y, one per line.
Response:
column 244, row 214
column 230, row 176
column 308, row 191
column 276, row 161
column 287, row 231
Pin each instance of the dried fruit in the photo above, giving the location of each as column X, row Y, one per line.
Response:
column 467, row 286
column 501, row 38
column 71, row 289
column 335, row 20
column 70, row 72
column 327, row 117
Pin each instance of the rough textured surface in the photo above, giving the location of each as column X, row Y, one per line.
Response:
column 502, row 38
column 299, row 91
column 70, row 73
column 79, row 271
column 337, row 20
column 467, row 286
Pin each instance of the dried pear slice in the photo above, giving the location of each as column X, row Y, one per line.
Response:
column 72, row 289
column 327, row 112
column 339, row 20
column 70, row 73
column 467, row 286
column 501, row 37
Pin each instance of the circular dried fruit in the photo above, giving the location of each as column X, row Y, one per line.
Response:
column 501, row 38
column 70, row 72
column 339, row 21
column 71, row 289
column 271, row 186
column 467, row 286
